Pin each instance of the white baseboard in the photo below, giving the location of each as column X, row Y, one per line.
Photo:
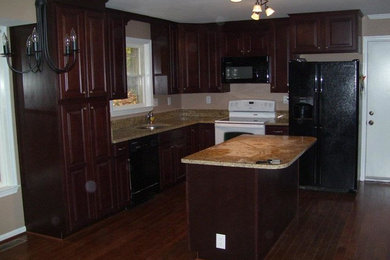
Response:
column 12, row 233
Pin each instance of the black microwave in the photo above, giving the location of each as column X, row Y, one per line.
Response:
column 245, row 69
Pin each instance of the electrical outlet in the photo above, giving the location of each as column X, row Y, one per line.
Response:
column 285, row 99
column 208, row 99
column 155, row 102
column 169, row 101
column 220, row 241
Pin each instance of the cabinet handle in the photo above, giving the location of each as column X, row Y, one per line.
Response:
column 318, row 47
column 121, row 149
column 278, row 132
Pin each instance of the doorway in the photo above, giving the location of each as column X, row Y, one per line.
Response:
column 375, row 124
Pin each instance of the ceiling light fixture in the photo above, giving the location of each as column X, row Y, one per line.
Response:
column 37, row 45
column 257, row 9
column 235, row 1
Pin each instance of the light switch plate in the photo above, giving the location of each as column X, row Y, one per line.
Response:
column 285, row 99
column 169, row 101
column 220, row 241
column 208, row 99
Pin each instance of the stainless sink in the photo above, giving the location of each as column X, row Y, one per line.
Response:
column 152, row 126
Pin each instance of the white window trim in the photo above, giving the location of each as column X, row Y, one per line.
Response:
column 8, row 149
column 147, row 104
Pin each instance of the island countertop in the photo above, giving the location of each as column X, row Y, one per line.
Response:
column 245, row 150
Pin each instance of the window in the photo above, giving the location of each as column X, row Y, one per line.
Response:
column 8, row 158
column 139, row 79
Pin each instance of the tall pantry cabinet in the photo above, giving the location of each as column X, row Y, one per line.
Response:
column 63, row 124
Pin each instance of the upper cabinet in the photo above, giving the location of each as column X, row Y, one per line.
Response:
column 116, row 44
column 88, row 77
column 164, row 49
column 327, row 32
column 251, row 43
column 199, row 60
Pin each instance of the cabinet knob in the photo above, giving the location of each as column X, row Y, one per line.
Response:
column 84, row 108
column 113, row 93
column 92, row 108
column 248, row 51
column 318, row 47
column 83, row 92
column 370, row 122
column 91, row 92
column 371, row 113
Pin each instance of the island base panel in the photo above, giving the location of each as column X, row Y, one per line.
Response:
column 252, row 207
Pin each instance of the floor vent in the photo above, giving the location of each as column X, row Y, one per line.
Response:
column 12, row 243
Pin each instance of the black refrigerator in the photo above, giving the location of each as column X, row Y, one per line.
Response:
column 324, row 103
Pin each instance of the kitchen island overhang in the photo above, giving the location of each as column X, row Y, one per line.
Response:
column 244, row 203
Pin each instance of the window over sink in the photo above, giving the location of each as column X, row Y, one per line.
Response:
column 139, row 79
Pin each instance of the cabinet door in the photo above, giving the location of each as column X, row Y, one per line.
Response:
column 116, row 25
column 73, row 83
column 180, row 151
column 340, row 33
column 75, row 134
column 280, row 56
column 255, row 43
column 305, row 34
column 206, row 136
column 95, row 54
column 189, row 54
column 231, row 44
column 192, row 139
column 122, row 172
column 105, row 198
column 100, row 130
column 167, row 170
column 80, row 206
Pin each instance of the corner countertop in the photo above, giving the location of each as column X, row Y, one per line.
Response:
column 245, row 150
column 127, row 129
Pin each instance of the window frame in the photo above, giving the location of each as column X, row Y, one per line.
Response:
column 9, row 166
column 146, row 51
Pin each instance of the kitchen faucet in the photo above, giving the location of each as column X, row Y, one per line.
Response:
column 150, row 117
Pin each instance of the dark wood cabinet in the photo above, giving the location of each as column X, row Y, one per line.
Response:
column 280, row 55
column 116, row 44
column 245, row 43
column 88, row 77
column 199, row 59
column 121, row 165
column 88, row 173
column 190, row 37
column 276, row 130
column 164, row 51
column 65, row 139
column 206, row 136
column 172, row 147
column 326, row 32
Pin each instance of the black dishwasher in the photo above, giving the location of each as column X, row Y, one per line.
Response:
column 144, row 168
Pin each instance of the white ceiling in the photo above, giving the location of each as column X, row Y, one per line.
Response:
column 202, row 11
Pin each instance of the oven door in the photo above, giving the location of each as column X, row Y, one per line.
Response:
column 225, row 131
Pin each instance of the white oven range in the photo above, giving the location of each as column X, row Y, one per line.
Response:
column 245, row 117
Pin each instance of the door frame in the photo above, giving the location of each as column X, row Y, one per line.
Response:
column 363, row 107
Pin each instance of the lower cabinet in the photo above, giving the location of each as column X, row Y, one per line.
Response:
column 206, row 135
column 276, row 130
column 172, row 147
column 121, row 166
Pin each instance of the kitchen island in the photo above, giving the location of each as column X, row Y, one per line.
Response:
column 238, row 202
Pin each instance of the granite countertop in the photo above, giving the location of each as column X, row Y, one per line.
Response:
column 246, row 150
column 127, row 129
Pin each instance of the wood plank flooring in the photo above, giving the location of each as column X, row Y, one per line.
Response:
column 328, row 226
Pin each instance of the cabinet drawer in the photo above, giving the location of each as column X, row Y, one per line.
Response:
column 276, row 130
column 120, row 149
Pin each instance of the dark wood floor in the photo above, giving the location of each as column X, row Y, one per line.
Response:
column 328, row 226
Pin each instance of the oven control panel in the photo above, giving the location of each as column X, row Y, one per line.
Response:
column 252, row 105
